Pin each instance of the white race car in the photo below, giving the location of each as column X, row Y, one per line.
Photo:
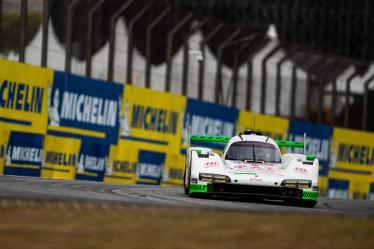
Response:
column 252, row 166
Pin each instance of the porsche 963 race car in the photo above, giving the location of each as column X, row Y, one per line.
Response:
column 251, row 166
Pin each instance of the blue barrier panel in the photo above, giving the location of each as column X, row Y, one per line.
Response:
column 371, row 194
column 338, row 188
column 92, row 161
column 317, row 142
column 150, row 167
column 208, row 119
column 84, row 108
column 24, row 154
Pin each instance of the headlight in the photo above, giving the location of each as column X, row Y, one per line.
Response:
column 213, row 178
column 297, row 183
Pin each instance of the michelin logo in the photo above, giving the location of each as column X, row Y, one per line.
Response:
column 21, row 97
column 124, row 119
column 91, row 163
column 24, row 154
column 356, row 154
column 149, row 170
column 315, row 146
column 207, row 126
column 83, row 108
column 154, row 119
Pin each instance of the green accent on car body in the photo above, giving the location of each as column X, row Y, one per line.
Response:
column 210, row 139
column 310, row 157
column 197, row 151
column 289, row 144
column 310, row 195
column 198, row 188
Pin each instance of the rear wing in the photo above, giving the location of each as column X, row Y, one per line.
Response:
column 289, row 144
column 210, row 139
column 224, row 139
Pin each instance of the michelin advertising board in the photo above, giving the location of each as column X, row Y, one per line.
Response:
column 107, row 132
column 353, row 160
column 23, row 97
column 204, row 118
column 151, row 124
column 60, row 157
column 123, row 163
column 92, row 161
column 24, row 154
column 84, row 108
column 4, row 138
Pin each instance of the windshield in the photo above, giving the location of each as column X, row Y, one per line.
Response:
column 253, row 151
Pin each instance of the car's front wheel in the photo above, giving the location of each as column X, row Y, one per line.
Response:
column 303, row 203
column 186, row 183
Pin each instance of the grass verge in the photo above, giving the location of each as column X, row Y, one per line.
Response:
column 40, row 224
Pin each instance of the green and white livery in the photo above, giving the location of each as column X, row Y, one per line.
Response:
column 251, row 165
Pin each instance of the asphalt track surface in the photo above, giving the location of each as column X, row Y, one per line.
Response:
column 61, row 190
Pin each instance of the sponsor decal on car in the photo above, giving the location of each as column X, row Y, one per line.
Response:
column 198, row 188
column 302, row 171
column 211, row 164
column 256, row 168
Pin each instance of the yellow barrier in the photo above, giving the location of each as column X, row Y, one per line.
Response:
column 24, row 96
column 275, row 127
column 4, row 138
column 151, row 121
column 123, row 160
column 353, row 160
column 60, row 157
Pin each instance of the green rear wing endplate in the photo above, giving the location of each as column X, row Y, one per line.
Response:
column 210, row 139
column 289, row 144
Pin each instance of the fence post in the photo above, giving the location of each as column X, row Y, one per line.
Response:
column 169, row 50
column 149, row 46
column 45, row 33
column 218, row 85
column 112, row 37
column 89, row 37
column 130, row 43
column 234, row 77
column 257, row 45
column 264, row 76
column 1, row 23
column 186, row 55
column 202, row 62
column 69, row 33
column 365, row 102
column 278, row 83
column 347, row 96
column 339, row 66
column 23, row 31
column 322, row 82
column 310, row 79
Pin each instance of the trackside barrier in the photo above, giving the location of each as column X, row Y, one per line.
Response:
column 62, row 126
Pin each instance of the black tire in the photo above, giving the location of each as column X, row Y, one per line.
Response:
column 186, row 189
column 303, row 203
column 199, row 195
